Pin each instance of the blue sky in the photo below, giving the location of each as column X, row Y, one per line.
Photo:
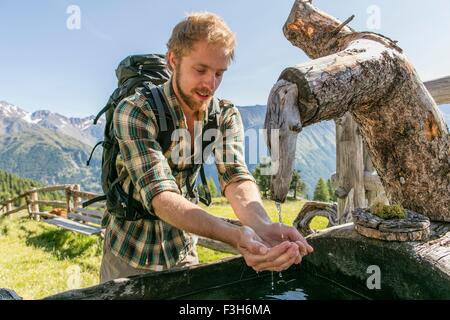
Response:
column 44, row 65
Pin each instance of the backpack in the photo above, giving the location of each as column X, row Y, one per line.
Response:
column 145, row 73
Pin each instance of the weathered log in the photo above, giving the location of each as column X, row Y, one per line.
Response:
column 367, row 74
column 313, row 209
column 282, row 115
column 415, row 227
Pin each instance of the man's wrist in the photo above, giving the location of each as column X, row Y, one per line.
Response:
column 261, row 226
column 230, row 234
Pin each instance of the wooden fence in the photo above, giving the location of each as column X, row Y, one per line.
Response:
column 73, row 201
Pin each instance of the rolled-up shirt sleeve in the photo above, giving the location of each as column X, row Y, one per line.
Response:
column 135, row 129
column 230, row 156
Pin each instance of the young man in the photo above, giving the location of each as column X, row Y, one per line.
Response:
column 199, row 52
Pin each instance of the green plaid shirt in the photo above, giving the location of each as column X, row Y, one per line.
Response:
column 154, row 244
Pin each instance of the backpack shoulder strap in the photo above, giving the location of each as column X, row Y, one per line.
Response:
column 160, row 108
column 213, row 115
column 225, row 103
column 214, row 110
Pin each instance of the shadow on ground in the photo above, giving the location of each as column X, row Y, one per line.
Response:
column 64, row 244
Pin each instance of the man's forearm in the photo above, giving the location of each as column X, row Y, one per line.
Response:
column 180, row 213
column 246, row 202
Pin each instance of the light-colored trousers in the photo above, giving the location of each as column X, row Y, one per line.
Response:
column 114, row 267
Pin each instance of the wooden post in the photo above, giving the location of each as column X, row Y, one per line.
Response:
column 374, row 191
column 34, row 206
column 349, row 164
column 68, row 191
column 28, row 200
column 9, row 207
column 76, row 199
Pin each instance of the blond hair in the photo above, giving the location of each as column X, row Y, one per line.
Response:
column 201, row 26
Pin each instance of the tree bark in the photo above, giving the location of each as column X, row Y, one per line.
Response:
column 367, row 75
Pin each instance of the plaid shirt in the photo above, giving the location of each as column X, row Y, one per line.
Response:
column 154, row 244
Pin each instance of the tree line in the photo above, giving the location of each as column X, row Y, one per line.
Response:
column 12, row 185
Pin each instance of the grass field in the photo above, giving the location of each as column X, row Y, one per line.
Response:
column 38, row 260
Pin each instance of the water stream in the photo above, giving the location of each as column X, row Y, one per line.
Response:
column 280, row 220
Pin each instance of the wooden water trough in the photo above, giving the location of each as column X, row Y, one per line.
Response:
column 344, row 258
column 407, row 270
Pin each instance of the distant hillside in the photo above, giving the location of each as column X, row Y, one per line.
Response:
column 50, row 158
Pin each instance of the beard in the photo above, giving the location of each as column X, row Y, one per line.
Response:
column 189, row 99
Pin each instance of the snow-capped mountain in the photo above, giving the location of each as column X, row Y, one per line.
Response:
column 8, row 110
column 14, row 119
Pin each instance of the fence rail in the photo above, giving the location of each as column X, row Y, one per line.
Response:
column 73, row 201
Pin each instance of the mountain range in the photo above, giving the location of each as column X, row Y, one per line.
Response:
column 49, row 147
column 52, row 148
